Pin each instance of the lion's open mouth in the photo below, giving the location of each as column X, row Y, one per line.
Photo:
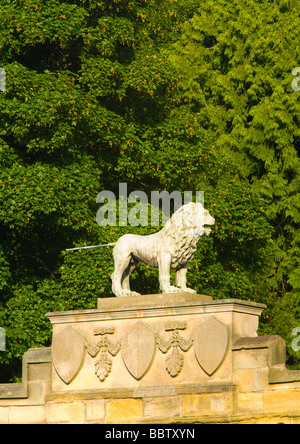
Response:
column 207, row 225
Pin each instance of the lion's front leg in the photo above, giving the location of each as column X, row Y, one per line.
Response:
column 164, row 264
column 181, row 280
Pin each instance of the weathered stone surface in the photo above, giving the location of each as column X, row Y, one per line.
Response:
column 244, row 379
column 249, row 384
column 210, row 344
column 95, row 410
column 207, row 404
column 124, row 409
column 162, row 407
column 274, row 343
column 67, row 353
column 13, row 391
column 250, row 358
column 261, row 379
column 250, row 403
column 281, row 374
column 36, row 367
column 150, row 300
column 4, row 413
column 138, row 347
column 28, row 415
column 39, row 372
column 281, row 401
column 196, row 405
column 174, row 356
column 244, row 315
column 65, row 412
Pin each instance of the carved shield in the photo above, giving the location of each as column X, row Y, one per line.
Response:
column 67, row 353
column 138, row 348
column 210, row 344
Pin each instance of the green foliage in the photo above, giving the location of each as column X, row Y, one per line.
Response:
column 85, row 79
column 162, row 96
column 236, row 63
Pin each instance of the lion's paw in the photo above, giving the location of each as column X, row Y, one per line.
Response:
column 171, row 289
column 134, row 293
column 187, row 290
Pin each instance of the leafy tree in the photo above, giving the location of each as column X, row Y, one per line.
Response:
column 236, row 62
column 83, row 78
column 95, row 95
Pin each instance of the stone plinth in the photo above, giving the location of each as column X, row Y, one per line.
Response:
column 168, row 358
column 149, row 344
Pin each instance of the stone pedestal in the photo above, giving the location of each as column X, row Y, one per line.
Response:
column 168, row 358
column 155, row 344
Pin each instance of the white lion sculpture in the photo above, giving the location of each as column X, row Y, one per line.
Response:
column 171, row 247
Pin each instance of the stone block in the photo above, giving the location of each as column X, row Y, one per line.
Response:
column 146, row 301
column 65, row 412
column 36, row 392
column 95, row 410
column 280, row 374
column 196, row 405
column 250, row 403
column 207, row 404
column 161, row 407
column 27, row 415
column 4, row 414
column 273, row 345
column 280, row 401
column 222, row 403
column 124, row 409
column 251, row 358
column 277, row 351
column 244, row 325
column 261, row 379
column 13, row 391
column 40, row 372
column 244, row 379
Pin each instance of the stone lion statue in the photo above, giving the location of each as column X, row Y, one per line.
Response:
column 171, row 247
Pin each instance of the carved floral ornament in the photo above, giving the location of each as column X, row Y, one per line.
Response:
column 138, row 346
column 174, row 361
column 104, row 347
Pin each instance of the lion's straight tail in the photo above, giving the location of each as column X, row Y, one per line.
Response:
column 92, row 246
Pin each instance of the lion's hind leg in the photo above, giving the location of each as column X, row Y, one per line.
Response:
column 125, row 278
column 124, row 265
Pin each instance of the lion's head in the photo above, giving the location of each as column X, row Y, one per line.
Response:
column 185, row 227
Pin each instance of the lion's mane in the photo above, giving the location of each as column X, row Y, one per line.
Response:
column 181, row 227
